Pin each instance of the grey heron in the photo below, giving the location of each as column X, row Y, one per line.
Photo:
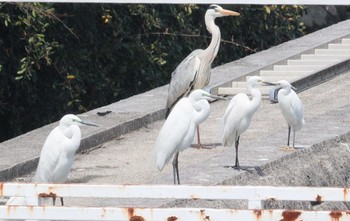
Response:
column 195, row 70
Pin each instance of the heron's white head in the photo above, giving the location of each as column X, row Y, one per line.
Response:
column 215, row 11
column 284, row 84
column 255, row 81
column 71, row 119
column 202, row 94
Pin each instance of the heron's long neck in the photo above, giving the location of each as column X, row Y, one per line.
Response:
column 201, row 110
column 75, row 138
column 213, row 48
column 285, row 90
column 256, row 98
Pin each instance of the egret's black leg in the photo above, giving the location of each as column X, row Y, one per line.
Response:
column 54, row 200
column 61, row 198
column 236, row 166
column 176, row 168
column 245, row 168
column 289, row 129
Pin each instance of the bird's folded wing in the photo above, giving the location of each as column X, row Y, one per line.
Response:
column 183, row 78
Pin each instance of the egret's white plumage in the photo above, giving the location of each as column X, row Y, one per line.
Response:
column 178, row 130
column 195, row 70
column 239, row 113
column 291, row 108
column 57, row 154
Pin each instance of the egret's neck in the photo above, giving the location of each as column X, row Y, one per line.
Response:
column 285, row 90
column 75, row 138
column 66, row 130
column 213, row 48
column 72, row 133
column 256, row 97
column 201, row 110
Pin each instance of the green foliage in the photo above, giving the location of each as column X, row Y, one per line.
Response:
column 60, row 58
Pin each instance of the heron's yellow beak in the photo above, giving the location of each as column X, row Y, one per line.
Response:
column 228, row 12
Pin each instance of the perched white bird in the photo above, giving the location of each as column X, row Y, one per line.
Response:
column 58, row 152
column 179, row 128
column 238, row 115
column 195, row 70
column 291, row 108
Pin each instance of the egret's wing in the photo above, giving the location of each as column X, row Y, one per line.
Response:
column 232, row 118
column 182, row 79
column 62, row 168
column 298, row 111
column 291, row 109
column 49, row 156
column 172, row 134
column 298, row 107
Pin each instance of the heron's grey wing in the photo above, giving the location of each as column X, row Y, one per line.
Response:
column 182, row 79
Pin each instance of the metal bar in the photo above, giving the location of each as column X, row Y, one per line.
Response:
column 157, row 214
column 231, row 2
column 178, row 192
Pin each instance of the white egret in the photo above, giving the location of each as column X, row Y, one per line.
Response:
column 195, row 70
column 57, row 154
column 239, row 113
column 179, row 128
column 291, row 108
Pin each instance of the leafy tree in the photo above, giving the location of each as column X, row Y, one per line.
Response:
column 59, row 58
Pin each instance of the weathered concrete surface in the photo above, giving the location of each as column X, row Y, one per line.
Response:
column 324, row 162
column 126, row 160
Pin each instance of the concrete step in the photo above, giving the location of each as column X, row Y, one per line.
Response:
column 321, row 57
column 239, row 84
column 310, row 62
column 296, row 67
column 283, row 73
column 244, row 85
column 345, row 41
column 339, row 46
column 277, row 78
column 332, row 51
column 236, row 90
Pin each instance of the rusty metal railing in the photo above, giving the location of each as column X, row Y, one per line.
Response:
column 255, row 195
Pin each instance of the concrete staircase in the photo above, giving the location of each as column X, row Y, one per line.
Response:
column 297, row 67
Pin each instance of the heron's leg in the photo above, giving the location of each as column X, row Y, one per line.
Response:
column 236, row 166
column 289, row 129
column 199, row 145
column 199, row 138
column 289, row 148
column 54, row 200
column 176, row 168
column 244, row 168
column 61, row 198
